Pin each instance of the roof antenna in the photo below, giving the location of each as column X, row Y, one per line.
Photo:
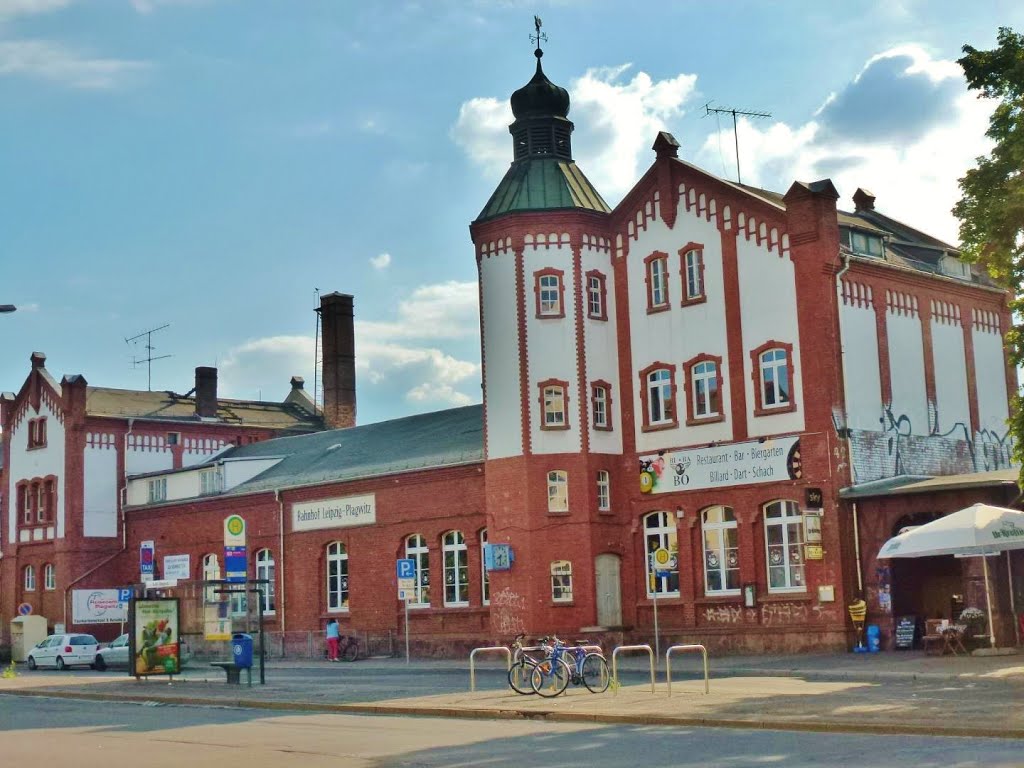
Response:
column 708, row 110
column 149, row 358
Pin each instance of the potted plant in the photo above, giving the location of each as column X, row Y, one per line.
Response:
column 974, row 620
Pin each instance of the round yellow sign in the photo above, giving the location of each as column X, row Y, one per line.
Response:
column 235, row 525
column 662, row 556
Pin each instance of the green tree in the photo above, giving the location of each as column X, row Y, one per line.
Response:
column 991, row 210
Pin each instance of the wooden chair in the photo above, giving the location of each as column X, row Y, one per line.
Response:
column 933, row 637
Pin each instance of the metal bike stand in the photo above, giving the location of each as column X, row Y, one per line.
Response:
column 684, row 648
column 620, row 649
column 488, row 649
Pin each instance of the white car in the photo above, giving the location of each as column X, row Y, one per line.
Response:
column 62, row 651
column 116, row 654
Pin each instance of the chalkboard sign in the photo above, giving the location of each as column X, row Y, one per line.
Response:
column 906, row 626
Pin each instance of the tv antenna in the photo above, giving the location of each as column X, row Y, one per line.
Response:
column 708, row 110
column 150, row 357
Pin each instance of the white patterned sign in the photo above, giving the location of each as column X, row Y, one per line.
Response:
column 334, row 513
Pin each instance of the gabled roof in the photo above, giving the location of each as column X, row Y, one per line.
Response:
column 166, row 405
column 543, row 184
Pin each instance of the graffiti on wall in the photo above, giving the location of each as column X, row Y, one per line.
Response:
column 770, row 614
column 507, row 607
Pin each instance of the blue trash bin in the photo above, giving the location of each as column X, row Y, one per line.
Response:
column 241, row 650
column 874, row 638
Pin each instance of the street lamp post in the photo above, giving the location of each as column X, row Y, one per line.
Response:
column 5, row 308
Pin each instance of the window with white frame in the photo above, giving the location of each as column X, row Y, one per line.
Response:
column 660, row 404
column 337, row 577
column 660, row 533
column 265, row 572
column 558, row 491
column 40, row 502
column 604, row 502
column 704, row 388
column 784, row 545
column 49, row 577
column 600, row 401
column 774, row 364
column 596, row 296
column 694, row 270
column 211, row 572
column 209, row 482
column 456, row 569
column 549, row 295
column 25, row 497
column 416, row 549
column 30, row 579
column 721, row 551
column 553, row 405
column 657, row 282
column 485, row 577
column 561, row 581
column 157, row 490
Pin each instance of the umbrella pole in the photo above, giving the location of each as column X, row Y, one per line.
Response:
column 988, row 602
column 1013, row 605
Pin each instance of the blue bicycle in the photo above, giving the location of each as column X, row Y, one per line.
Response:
column 552, row 675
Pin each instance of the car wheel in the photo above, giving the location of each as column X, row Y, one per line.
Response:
column 60, row 664
column 31, row 663
column 99, row 664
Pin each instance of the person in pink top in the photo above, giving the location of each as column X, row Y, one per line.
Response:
column 332, row 640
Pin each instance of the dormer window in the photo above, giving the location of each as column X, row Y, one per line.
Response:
column 862, row 243
column 157, row 490
column 954, row 267
column 209, row 482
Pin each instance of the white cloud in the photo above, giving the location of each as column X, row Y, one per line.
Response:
column 438, row 311
column 9, row 9
column 381, row 262
column 616, row 121
column 913, row 170
column 53, row 61
column 148, row 6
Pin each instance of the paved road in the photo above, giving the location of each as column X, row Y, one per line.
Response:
column 111, row 735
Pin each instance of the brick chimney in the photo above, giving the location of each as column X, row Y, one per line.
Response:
column 206, row 392
column 863, row 200
column 339, row 360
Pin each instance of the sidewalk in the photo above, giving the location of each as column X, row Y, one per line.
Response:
column 879, row 693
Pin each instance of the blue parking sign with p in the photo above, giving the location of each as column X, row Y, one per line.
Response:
column 406, row 568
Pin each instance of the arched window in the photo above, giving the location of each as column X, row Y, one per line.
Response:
column 485, row 577
column 657, row 281
column 416, row 549
column 30, row 579
column 456, row 570
column 211, row 572
column 721, row 551
column 49, row 577
column 693, row 267
column 337, row 577
column 658, row 396
column 784, row 545
column 558, row 491
column 265, row 571
column 660, row 533
column 774, row 378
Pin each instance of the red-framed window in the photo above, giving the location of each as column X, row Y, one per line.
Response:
column 597, row 295
column 691, row 270
column 772, row 371
column 658, row 397
column 601, row 405
column 656, row 272
column 37, row 433
column 703, row 383
column 549, row 292
column 554, row 404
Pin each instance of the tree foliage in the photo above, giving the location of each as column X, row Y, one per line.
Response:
column 991, row 210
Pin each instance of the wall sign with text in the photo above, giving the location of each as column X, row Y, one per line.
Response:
column 334, row 513
column 722, row 466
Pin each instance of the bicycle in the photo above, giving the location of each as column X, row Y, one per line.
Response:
column 523, row 664
column 589, row 668
column 348, row 648
column 551, row 676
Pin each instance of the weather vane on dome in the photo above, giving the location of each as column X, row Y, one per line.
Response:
column 539, row 37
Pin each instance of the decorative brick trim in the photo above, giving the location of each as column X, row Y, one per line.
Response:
column 549, row 272
column 669, row 406
column 581, row 344
column 734, row 333
column 692, row 419
column 702, row 297
column 901, row 303
column 564, row 386
column 857, row 294
column 524, row 373
column 755, row 373
column 648, row 263
column 602, row 290
column 594, row 386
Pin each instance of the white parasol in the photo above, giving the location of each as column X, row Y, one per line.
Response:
column 978, row 530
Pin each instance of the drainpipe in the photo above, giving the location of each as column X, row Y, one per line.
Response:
column 280, row 536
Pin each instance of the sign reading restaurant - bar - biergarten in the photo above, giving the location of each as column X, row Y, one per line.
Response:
column 334, row 513
column 722, row 466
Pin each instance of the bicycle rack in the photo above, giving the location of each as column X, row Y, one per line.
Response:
column 620, row 649
column 488, row 649
column 684, row 648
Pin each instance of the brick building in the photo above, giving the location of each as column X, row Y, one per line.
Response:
column 732, row 383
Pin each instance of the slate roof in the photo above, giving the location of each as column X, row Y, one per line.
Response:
column 424, row 441
column 543, row 184
column 166, row 405
column 910, row 484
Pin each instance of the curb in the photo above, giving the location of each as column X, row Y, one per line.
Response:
column 816, row 726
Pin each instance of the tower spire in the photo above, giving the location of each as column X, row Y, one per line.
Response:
column 538, row 37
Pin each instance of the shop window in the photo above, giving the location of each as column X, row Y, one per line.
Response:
column 604, row 503
column 600, row 405
column 558, row 491
column 561, row 581
column 265, row 572
column 721, row 551
column 773, row 378
column 549, row 291
column 416, row 549
column 660, row 533
column 656, row 268
column 597, row 296
column 554, row 404
column 658, row 396
column 456, row 570
column 693, row 275
column 784, row 546
column 703, row 389
column 337, row 577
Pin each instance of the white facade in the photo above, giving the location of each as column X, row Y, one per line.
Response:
column 100, row 509
column 601, row 346
column 906, row 365
column 26, row 463
column 861, row 376
column 989, row 363
column 952, row 404
column 500, row 345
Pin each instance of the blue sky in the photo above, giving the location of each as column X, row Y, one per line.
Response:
column 210, row 163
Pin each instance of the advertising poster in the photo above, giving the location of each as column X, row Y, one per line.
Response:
column 155, row 638
column 98, row 606
column 216, row 621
